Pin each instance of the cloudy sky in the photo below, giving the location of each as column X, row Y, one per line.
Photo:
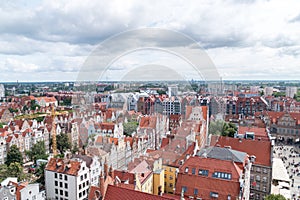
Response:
column 245, row 39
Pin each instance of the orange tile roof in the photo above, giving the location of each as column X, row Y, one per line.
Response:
column 117, row 193
column 94, row 193
column 58, row 165
column 258, row 132
column 148, row 122
column 260, row 149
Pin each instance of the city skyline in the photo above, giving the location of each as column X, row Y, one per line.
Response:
column 246, row 40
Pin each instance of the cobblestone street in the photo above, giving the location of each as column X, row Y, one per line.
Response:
column 291, row 160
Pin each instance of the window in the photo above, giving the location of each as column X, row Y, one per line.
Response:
column 265, row 171
column 264, row 179
column 214, row 195
column 80, row 194
column 264, row 188
column 171, row 177
column 171, row 184
column 56, row 191
column 222, row 175
column 60, row 176
column 79, row 186
column 228, row 197
column 195, row 191
column 66, row 185
column 56, row 183
column 85, row 176
column 257, row 196
column 66, row 193
column 258, row 169
column 81, row 177
column 55, row 175
column 257, row 187
column 186, row 170
column 184, row 189
column 66, row 177
column 61, row 192
column 203, row 172
column 60, row 184
column 257, row 178
column 193, row 171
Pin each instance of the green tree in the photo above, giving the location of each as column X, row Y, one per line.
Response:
column 216, row 127
column 229, row 129
column 14, row 155
column 2, row 124
column 40, row 173
column 275, row 197
column 15, row 169
column 75, row 148
column 3, row 172
column 63, row 142
column 130, row 127
column 34, row 105
column 38, row 151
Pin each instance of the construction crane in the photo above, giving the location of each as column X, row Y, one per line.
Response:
column 53, row 132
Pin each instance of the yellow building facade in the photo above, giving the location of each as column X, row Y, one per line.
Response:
column 170, row 178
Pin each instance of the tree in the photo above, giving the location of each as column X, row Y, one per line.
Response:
column 34, row 105
column 275, row 197
column 63, row 142
column 3, row 172
column 229, row 129
column 130, row 127
column 38, row 151
column 75, row 148
column 15, row 169
column 40, row 173
column 14, row 155
column 216, row 127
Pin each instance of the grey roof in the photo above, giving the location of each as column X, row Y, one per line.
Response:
column 223, row 154
column 85, row 158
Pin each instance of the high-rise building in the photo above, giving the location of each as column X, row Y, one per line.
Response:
column 2, row 91
column 172, row 91
column 290, row 92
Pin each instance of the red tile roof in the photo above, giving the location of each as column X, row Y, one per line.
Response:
column 207, row 184
column 260, row 149
column 94, row 193
column 58, row 165
column 148, row 122
column 117, row 193
column 124, row 176
column 258, row 132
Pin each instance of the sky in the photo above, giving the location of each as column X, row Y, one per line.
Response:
column 245, row 39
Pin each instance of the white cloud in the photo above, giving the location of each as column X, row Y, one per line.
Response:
column 53, row 37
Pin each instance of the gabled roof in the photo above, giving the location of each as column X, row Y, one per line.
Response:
column 223, row 154
column 117, row 193
column 260, row 149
